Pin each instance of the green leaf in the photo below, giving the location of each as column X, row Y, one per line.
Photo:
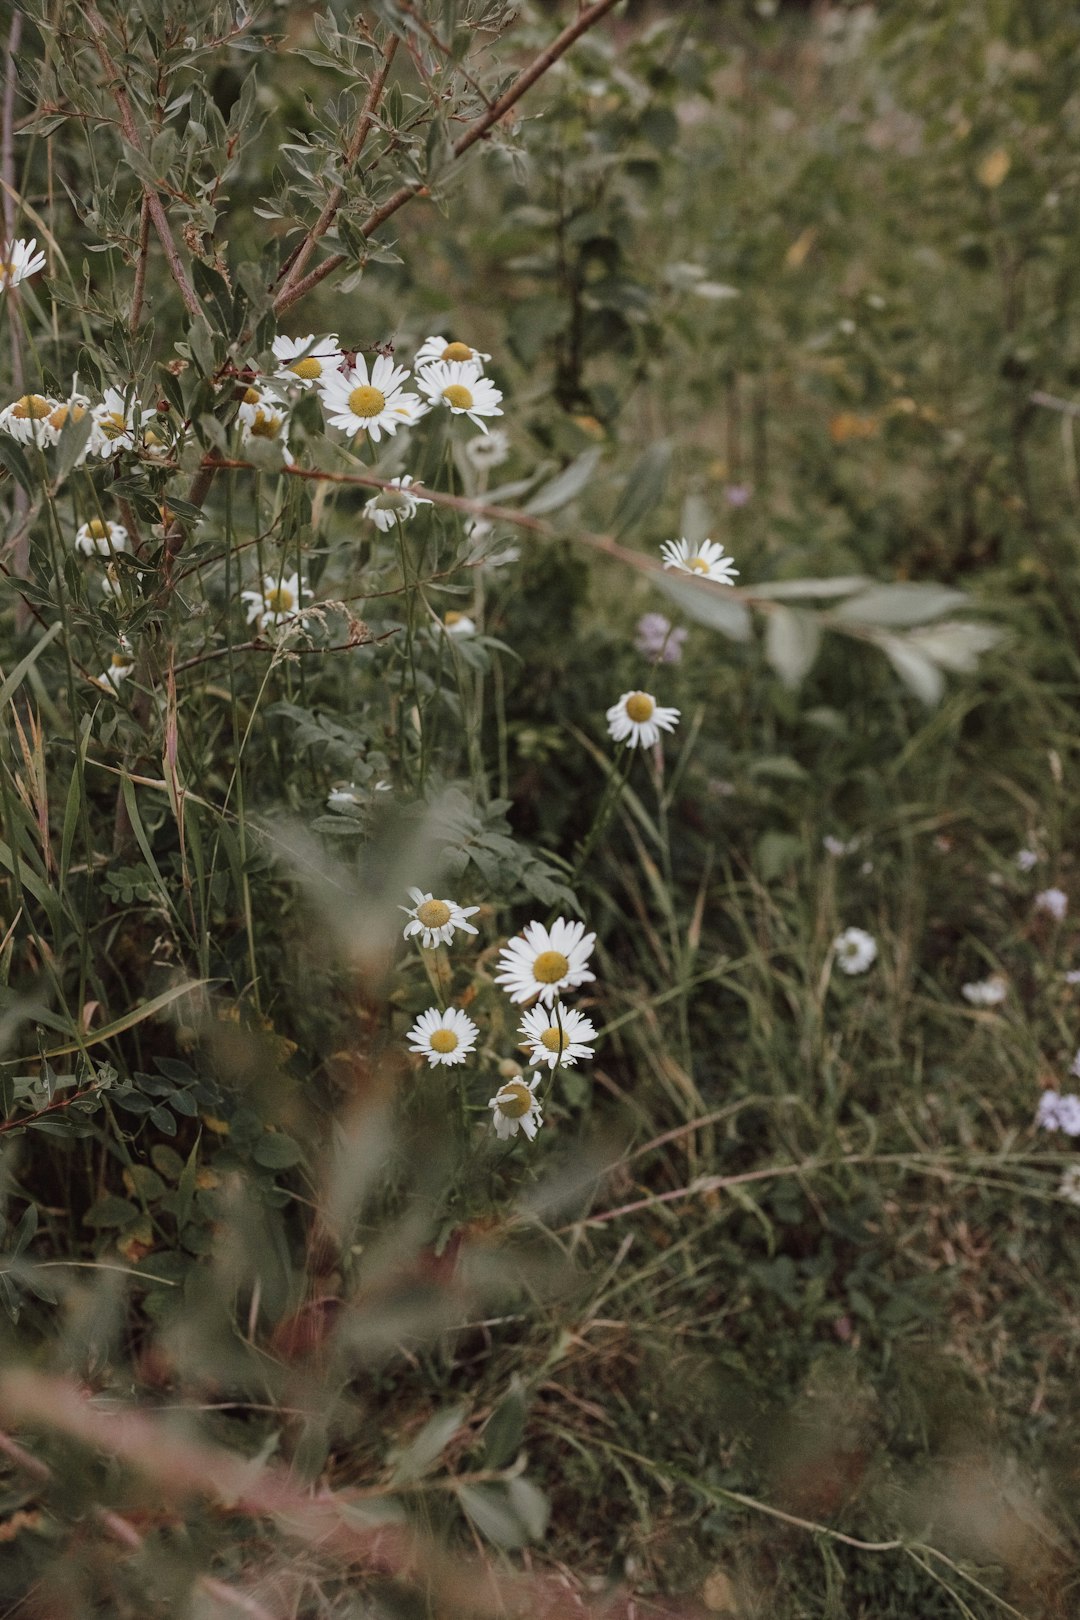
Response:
column 111, row 1211
column 644, row 488
column 709, row 604
column 566, row 486
column 425, row 1449
column 797, row 590
column 504, row 1430
column 894, row 606
column 494, row 1515
column 276, row 1151
column 11, row 457
column 791, row 644
column 916, row 671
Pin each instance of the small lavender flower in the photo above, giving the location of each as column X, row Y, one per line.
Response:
column 737, row 494
column 656, row 638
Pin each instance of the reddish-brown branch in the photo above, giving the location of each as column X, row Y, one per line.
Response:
column 131, row 135
column 294, row 266
column 475, row 132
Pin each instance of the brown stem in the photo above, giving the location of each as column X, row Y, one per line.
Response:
column 475, row 132
column 293, row 267
column 140, row 266
column 131, row 134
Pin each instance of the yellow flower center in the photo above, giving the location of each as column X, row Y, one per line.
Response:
column 699, row 565
column 367, row 401
column 96, row 529
column 457, row 395
column 265, row 425
column 433, row 913
column 150, row 437
column 63, row 413
column 444, row 1040
column 639, row 706
column 308, row 368
column 252, row 396
column 514, row 1100
column 122, row 661
column 279, row 600
column 550, row 967
column 555, row 1039
column 453, row 617
column 31, row 407
column 113, row 425
column 456, row 351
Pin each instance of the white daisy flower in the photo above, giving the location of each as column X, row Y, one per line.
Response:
column 18, row 260
column 490, row 451
column 515, row 1107
column 394, row 505
column 110, row 583
column 557, row 1035
column 118, row 424
column 101, row 539
column 279, row 601
column 120, row 667
column 72, row 409
column 436, row 920
column 637, row 719
column 27, row 419
column 545, row 962
column 855, row 950
column 1053, row 901
column 458, row 624
column 460, row 385
column 1069, row 1185
column 262, row 415
column 438, row 348
column 989, row 992
column 706, row 559
column 305, row 360
column 443, row 1037
column 373, row 401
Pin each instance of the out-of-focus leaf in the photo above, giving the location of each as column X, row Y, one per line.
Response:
column 897, row 605
column 792, row 640
column 711, row 605
column 916, row 671
column 800, row 590
column 494, row 1515
column 275, row 1151
column 955, row 645
column 504, row 1430
column 566, row 486
column 644, row 488
column 428, row 1446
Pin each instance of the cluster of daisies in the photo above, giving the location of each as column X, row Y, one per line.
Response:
column 537, row 969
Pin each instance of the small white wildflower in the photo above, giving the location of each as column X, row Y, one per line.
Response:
column 557, row 1035
column 1072, row 976
column 458, row 624
column 438, row 348
column 839, row 846
column 1074, row 1067
column 515, row 1107
column 462, row 388
column 1026, row 859
column 855, row 950
column 443, row 1037
column 706, row 559
column 19, row 260
column 27, row 419
column 305, row 360
column 343, row 798
column 120, row 667
column 279, row 601
column 488, row 451
column 989, row 992
column 373, row 401
column 436, row 920
column 101, row 539
column 1055, row 902
column 542, row 962
column 394, row 505
column 1069, row 1185
column 637, row 719
column 118, row 424
column 1059, row 1112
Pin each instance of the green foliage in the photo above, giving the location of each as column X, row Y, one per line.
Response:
column 775, row 1310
